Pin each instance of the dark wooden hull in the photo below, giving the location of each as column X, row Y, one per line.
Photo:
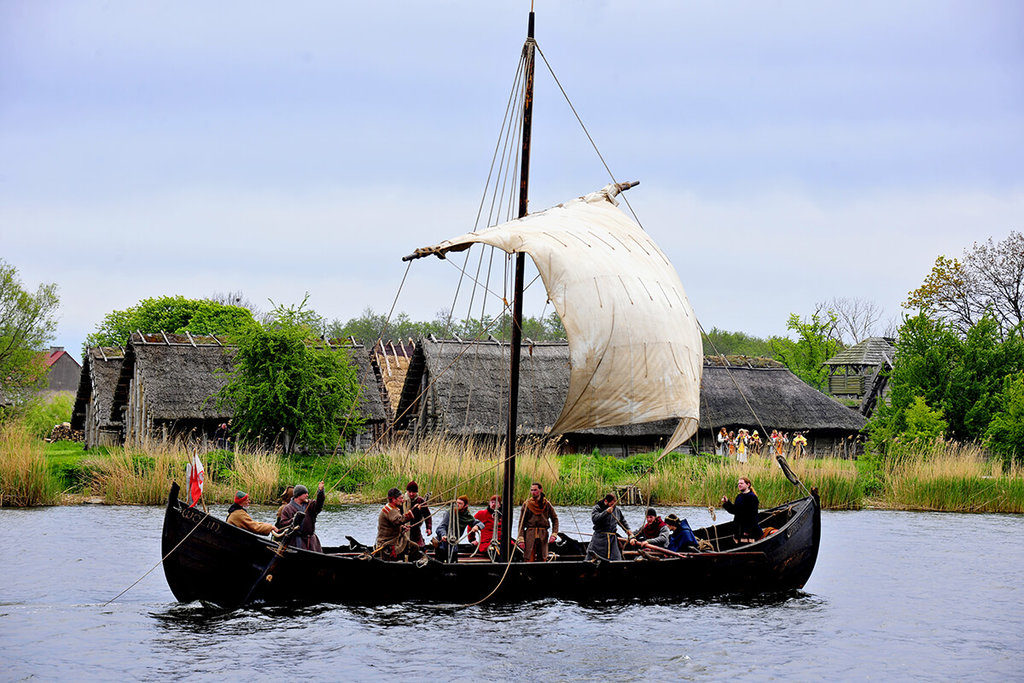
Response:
column 206, row 559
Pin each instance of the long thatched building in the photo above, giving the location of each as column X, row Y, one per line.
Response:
column 461, row 389
column 168, row 384
column 91, row 415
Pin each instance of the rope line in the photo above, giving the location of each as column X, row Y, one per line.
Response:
column 155, row 565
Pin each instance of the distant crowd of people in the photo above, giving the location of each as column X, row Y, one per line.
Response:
column 402, row 520
column 739, row 444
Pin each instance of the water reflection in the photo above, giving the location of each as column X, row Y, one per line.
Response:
column 885, row 602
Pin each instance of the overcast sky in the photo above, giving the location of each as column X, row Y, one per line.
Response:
column 788, row 152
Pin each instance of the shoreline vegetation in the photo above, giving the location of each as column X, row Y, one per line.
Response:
column 943, row 476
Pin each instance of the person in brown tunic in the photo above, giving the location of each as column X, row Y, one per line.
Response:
column 393, row 530
column 413, row 502
column 286, row 497
column 239, row 516
column 535, row 519
column 305, row 537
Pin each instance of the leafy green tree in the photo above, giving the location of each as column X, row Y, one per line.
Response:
column 924, row 424
column 289, row 387
column 371, row 326
column 170, row 314
column 1005, row 433
column 816, row 342
column 988, row 280
column 737, row 344
column 961, row 377
column 27, row 325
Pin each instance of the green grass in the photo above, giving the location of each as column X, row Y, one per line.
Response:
column 955, row 479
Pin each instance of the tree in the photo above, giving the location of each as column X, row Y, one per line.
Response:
column 736, row 344
column 1005, row 433
column 371, row 326
column 924, row 424
column 170, row 314
column 856, row 318
column 989, row 278
column 816, row 342
column 960, row 377
column 27, row 325
column 289, row 387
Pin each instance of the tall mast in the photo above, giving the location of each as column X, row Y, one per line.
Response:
column 509, row 478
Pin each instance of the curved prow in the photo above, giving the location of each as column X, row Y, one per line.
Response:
column 784, row 464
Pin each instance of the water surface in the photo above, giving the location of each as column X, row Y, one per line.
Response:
column 895, row 596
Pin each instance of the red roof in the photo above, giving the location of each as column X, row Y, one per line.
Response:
column 53, row 356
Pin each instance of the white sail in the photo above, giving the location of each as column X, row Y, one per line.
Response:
column 634, row 344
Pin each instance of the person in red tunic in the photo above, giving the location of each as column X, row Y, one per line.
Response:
column 491, row 517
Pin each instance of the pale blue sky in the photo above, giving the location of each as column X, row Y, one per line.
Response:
column 788, row 152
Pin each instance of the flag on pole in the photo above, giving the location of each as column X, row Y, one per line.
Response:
column 195, row 475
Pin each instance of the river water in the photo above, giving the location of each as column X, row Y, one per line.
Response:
column 895, row 596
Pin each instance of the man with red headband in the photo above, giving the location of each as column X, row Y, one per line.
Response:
column 239, row 516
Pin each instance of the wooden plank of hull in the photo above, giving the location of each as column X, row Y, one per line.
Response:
column 221, row 564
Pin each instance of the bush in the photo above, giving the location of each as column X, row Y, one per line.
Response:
column 43, row 412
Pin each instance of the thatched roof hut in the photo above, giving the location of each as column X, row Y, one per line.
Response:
column 168, row 386
column 461, row 388
column 91, row 415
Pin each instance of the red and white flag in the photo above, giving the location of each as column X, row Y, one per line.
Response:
column 195, row 475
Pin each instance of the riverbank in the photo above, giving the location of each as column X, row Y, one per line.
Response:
column 956, row 478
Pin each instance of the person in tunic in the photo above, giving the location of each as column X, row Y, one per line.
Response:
column 744, row 511
column 680, row 538
column 607, row 518
column 456, row 524
column 239, row 516
column 393, row 527
column 491, row 517
column 798, row 446
column 417, row 505
column 653, row 532
column 536, row 518
column 305, row 537
column 755, row 442
column 286, row 497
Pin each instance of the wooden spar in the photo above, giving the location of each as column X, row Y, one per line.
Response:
column 509, row 474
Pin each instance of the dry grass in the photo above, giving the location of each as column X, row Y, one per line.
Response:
column 258, row 474
column 25, row 478
column 949, row 476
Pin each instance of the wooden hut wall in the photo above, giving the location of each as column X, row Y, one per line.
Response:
column 460, row 389
column 168, row 385
column 92, row 412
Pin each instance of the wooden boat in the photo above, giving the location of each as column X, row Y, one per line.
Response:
column 212, row 561
column 635, row 356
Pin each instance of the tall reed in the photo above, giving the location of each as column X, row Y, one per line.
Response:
column 950, row 476
column 25, row 477
column 138, row 477
column 257, row 473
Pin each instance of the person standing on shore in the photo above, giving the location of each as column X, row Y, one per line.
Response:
column 535, row 520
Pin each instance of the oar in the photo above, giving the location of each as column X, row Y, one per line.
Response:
column 663, row 550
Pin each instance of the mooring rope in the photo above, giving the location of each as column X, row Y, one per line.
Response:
column 184, row 538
